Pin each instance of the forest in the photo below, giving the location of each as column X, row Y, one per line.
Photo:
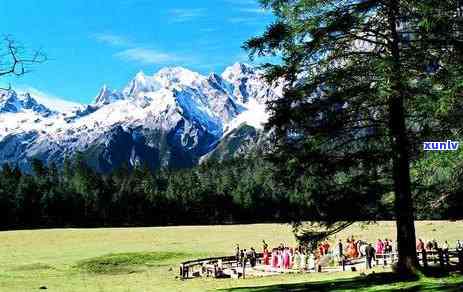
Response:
column 242, row 190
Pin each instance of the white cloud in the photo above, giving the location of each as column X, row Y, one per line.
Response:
column 49, row 100
column 186, row 15
column 244, row 20
column 112, row 39
column 256, row 10
column 137, row 52
column 249, row 6
column 147, row 56
column 243, row 2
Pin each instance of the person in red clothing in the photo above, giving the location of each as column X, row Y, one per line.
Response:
column 420, row 245
column 379, row 246
column 321, row 250
column 286, row 258
column 352, row 251
column 266, row 257
column 326, row 247
column 275, row 258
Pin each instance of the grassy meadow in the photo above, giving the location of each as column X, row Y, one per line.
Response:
column 146, row 259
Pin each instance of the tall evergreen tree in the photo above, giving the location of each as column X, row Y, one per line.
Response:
column 366, row 82
column 38, row 168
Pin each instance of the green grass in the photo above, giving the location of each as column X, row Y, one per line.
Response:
column 146, row 259
column 126, row 263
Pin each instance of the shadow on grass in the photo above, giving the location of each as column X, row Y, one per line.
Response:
column 31, row 267
column 373, row 282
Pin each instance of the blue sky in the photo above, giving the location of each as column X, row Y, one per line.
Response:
column 94, row 42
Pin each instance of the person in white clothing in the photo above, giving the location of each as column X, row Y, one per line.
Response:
column 303, row 259
column 311, row 262
column 296, row 260
column 445, row 246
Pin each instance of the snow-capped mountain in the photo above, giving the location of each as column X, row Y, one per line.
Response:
column 107, row 96
column 171, row 118
column 11, row 102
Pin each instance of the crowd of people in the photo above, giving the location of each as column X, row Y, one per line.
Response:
column 358, row 248
column 284, row 257
column 243, row 256
column 384, row 246
column 281, row 257
column 302, row 258
column 433, row 245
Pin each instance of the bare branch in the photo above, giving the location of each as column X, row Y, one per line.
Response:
column 15, row 60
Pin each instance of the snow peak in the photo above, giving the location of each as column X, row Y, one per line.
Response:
column 441, row 146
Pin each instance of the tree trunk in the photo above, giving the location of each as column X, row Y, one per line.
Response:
column 407, row 262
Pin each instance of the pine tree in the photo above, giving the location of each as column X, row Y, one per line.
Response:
column 38, row 168
column 366, row 82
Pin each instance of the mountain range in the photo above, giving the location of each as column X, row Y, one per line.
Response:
column 175, row 118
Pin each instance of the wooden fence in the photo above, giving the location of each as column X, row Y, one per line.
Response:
column 209, row 265
column 440, row 257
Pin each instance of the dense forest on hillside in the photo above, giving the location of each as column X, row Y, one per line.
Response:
column 239, row 190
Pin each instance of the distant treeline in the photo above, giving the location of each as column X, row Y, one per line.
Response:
column 237, row 191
